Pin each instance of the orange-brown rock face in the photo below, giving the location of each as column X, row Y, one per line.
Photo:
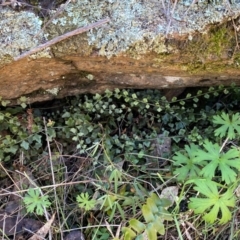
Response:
column 138, row 48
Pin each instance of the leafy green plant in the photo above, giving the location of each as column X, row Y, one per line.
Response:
column 215, row 204
column 187, row 165
column 85, row 202
column 35, row 202
column 101, row 234
column 111, row 136
column 22, row 101
column 116, row 176
column 154, row 213
column 230, row 125
column 212, row 161
column 14, row 123
column 198, row 162
column 111, row 204
column 227, row 163
column 4, row 103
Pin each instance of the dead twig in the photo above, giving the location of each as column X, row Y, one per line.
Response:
column 169, row 14
column 62, row 37
column 236, row 29
column 47, row 186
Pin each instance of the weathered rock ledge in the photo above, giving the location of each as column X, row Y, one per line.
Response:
column 143, row 46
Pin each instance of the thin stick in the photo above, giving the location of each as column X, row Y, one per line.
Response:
column 4, row 169
column 62, row 37
column 171, row 16
column 224, row 144
column 45, row 187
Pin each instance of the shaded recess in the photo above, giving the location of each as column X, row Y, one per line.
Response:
column 41, row 7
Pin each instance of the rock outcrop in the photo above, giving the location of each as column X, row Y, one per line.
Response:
column 145, row 44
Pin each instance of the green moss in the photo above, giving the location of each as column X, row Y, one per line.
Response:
column 219, row 41
column 236, row 60
column 204, row 52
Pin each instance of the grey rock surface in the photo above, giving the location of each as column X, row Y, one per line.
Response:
column 17, row 31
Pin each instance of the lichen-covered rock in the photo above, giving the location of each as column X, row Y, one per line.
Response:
column 136, row 27
column 17, row 31
column 147, row 44
column 141, row 26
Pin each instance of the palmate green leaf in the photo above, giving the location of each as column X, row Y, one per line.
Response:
column 214, row 203
column 230, row 125
column 35, row 202
column 187, row 164
column 85, row 202
column 227, row 162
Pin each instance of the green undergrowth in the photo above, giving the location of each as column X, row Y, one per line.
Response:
column 129, row 164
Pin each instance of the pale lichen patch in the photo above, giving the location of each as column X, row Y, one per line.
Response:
column 46, row 53
column 90, row 77
column 17, row 31
column 137, row 27
column 53, row 91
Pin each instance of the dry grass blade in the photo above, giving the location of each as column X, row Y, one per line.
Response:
column 44, row 230
column 110, row 230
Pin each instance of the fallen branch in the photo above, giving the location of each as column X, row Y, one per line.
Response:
column 62, row 37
